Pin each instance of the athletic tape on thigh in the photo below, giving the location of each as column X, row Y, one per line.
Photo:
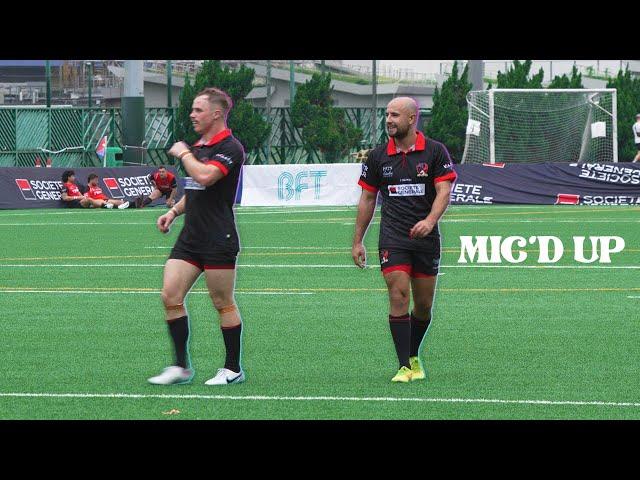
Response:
column 227, row 309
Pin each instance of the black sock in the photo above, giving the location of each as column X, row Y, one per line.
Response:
column 401, row 333
column 146, row 201
column 418, row 329
column 231, row 337
column 179, row 330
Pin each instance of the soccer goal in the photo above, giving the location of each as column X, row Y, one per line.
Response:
column 541, row 125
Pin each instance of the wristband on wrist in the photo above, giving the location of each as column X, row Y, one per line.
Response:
column 182, row 154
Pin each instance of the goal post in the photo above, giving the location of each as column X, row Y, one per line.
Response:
column 541, row 125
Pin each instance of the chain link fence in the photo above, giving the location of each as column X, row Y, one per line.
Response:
column 69, row 136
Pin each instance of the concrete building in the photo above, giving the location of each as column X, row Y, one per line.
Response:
column 346, row 94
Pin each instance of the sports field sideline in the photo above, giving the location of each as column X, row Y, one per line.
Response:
column 83, row 323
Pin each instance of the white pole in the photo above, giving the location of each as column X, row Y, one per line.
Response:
column 614, row 123
column 492, row 128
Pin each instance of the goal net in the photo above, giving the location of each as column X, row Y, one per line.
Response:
column 541, row 125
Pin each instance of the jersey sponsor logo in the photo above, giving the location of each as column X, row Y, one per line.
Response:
column 113, row 187
column 387, row 171
column 422, row 169
column 224, row 157
column 365, row 169
column 191, row 184
column 408, row 190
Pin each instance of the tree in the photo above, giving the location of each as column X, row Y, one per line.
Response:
column 324, row 127
column 518, row 76
column 449, row 113
column 628, row 95
column 565, row 82
column 184, row 130
column 247, row 125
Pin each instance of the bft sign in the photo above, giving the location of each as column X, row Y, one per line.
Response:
column 291, row 187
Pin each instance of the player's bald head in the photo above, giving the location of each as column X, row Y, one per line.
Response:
column 406, row 104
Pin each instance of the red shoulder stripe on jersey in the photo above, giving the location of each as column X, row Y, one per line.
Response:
column 451, row 176
column 215, row 163
column 397, row 268
column 367, row 187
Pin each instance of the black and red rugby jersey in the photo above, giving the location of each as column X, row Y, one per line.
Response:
column 71, row 189
column 163, row 184
column 407, row 184
column 96, row 193
column 209, row 222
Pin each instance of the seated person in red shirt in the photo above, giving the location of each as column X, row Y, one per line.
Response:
column 164, row 185
column 95, row 194
column 72, row 197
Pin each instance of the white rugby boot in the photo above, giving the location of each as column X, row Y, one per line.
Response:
column 224, row 376
column 172, row 375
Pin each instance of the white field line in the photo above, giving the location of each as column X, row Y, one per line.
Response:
column 149, row 265
column 546, row 220
column 346, row 249
column 324, row 399
column 119, row 292
column 322, row 221
column 159, row 211
column 64, row 224
column 288, row 210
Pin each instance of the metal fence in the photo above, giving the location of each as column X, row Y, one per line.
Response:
column 69, row 136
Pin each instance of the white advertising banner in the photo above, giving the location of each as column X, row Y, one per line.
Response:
column 300, row 185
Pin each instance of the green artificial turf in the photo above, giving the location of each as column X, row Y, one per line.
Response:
column 505, row 343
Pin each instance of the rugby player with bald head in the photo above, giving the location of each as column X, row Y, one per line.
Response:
column 414, row 176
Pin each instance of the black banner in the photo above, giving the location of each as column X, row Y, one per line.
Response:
column 548, row 184
column 41, row 187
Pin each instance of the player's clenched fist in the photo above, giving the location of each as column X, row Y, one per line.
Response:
column 164, row 221
column 178, row 148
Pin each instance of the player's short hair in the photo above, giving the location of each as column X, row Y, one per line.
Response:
column 217, row 96
column 66, row 174
column 162, row 167
column 91, row 177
